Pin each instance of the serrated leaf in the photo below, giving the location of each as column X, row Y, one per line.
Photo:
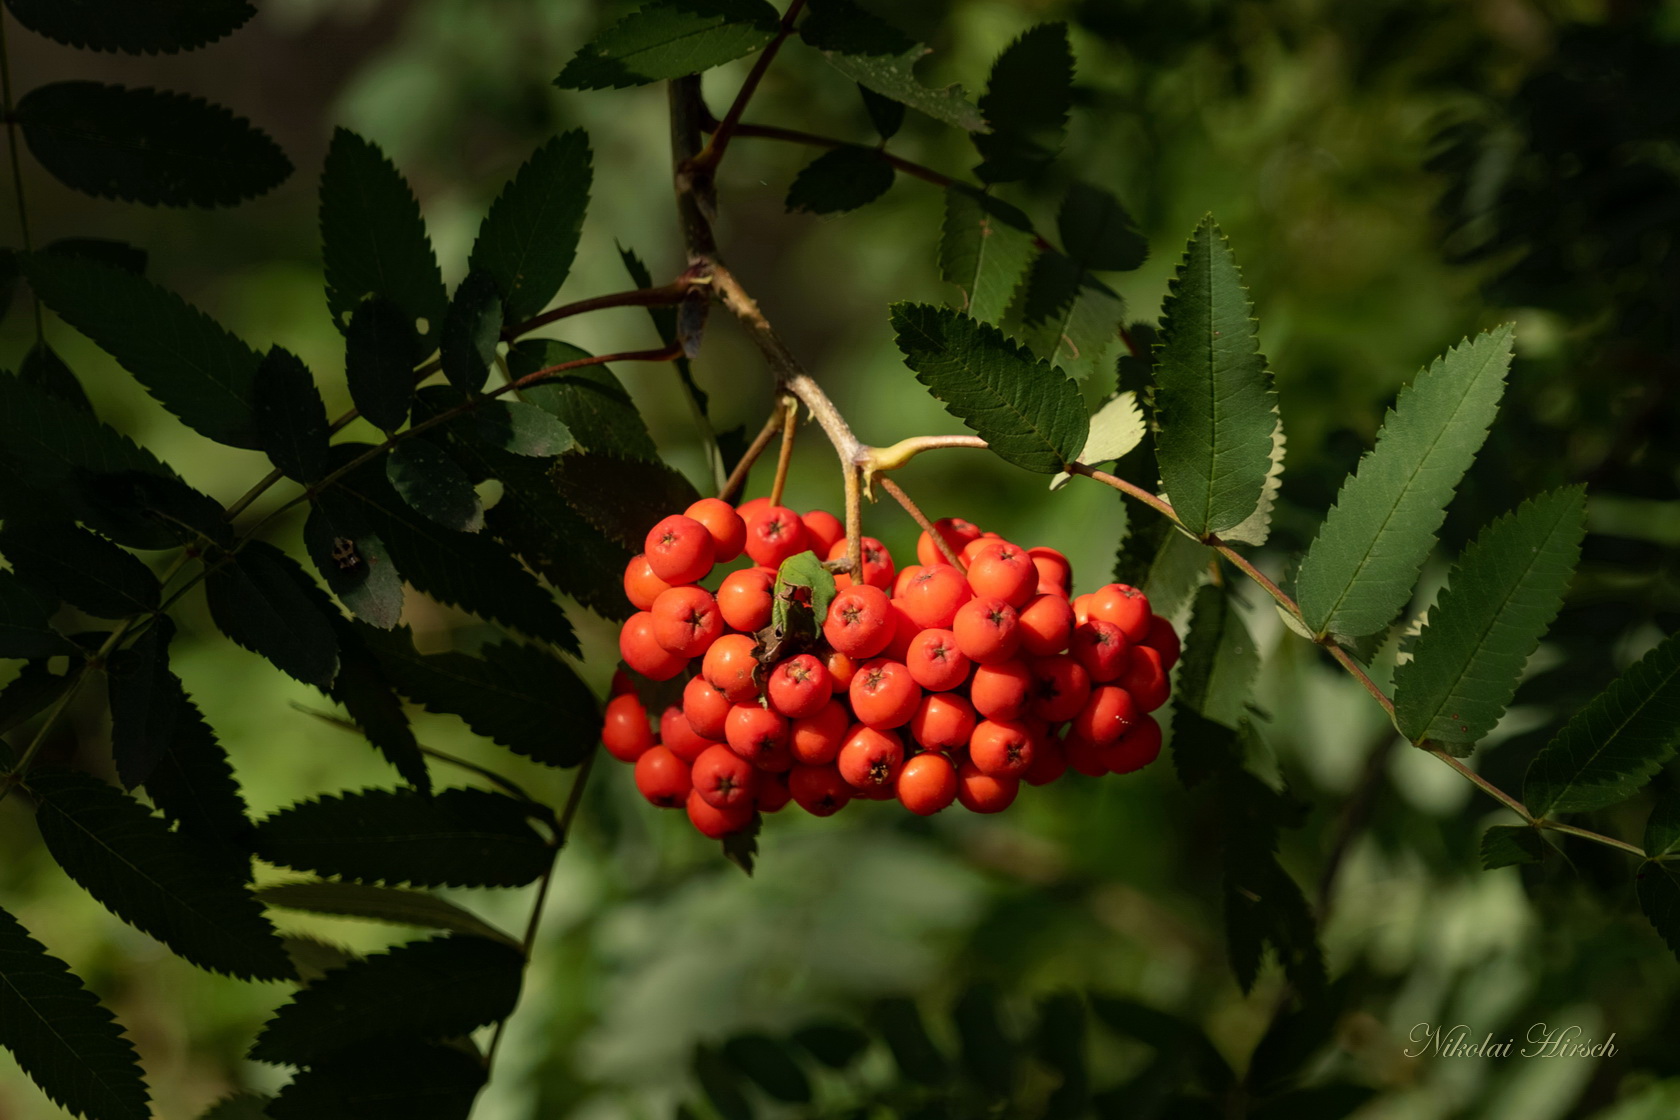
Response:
column 1506, row 590
column 1257, row 526
column 154, row 879
column 669, row 39
column 527, row 241
column 1026, row 104
column 373, row 238
column 381, row 904
column 82, row 568
column 471, row 329
column 885, row 114
column 624, row 498
column 985, row 246
column 26, row 695
column 1028, row 413
column 430, row 990
column 836, row 1045
column 676, row 325
column 1066, row 315
column 372, row 703
column 432, row 485
column 1659, row 897
column 397, row 1080
column 193, row 367
column 766, row 1062
column 839, row 180
column 1098, row 234
column 117, row 25
column 1220, row 660
column 901, row 1025
column 1116, row 428
column 1613, row 746
column 1662, row 828
column 1360, row 569
column 1506, row 844
column 515, row 694
column 1214, row 404
column 239, row 1106
column 802, row 571
column 874, row 54
column 1202, row 748
column 353, row 560
column 289, row 414
column 518, row 428
column 455, row 838
column 62, row 1036
column 146, row 145
column 590, row 401
column 46, row 371
column 145, row 703
column 117, row 254
column 1160, row 561
column 24, row 629
column 263, row 601
column 193, row 785
column 379, row 347
column 145, row 510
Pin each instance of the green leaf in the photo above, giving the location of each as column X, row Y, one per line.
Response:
column 24, row 629
column 1659, row 897
column 117, row 25
column 767, row 1063
column 26, row 695
column 1257, row 526
column 885, row 114
column 985, row 247
column 721, row 1085
column 456, row 838
column 1507, row 844
column 1220, row 660
column 669, row 39
column 145, row 702
column 682, row 324
column 515, row 694
column 44, row 369
column 82, row 568
column 379, row 347
column 1100, row 236
column 63, row 1038
column 530, row 236
column 558, row 544
column 471, row 329
column 145, row 145
column 1159, row 560
column 194, row 368
column 239, row 1106
column 265, row 602
column 117, row 254
column 518, row 428
column 372, row 702
column 1067, row 315
column 381, row 904
column 1026, row 104
column 145, row 510
column 373, row 239
column 1360, row 569
column 1214, row 404
column 901, row 1026
column 624, row 498
column 431, row 990
column 431, row 484
column 1263, row 903
column 1116, row 428
column 1168, row 1034
column 880, row 57
column 804, row 571
column 290, row 415
column 193, row 785
column 1662, row 828
column 835, row 1045
column 839, row 180
column 395, row 1080
column 590, row 401
column 353, row 560
column 1506, row 590
column 1030, row 415
column 1614, row 745
column 154, row 879
column 989, row 1056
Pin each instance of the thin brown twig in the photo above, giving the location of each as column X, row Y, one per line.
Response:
column 738, row 477
column 854, row 520
column 790, row 425
column 709, row 158
column 915, row 511
column 635, row 297
column 793, row 135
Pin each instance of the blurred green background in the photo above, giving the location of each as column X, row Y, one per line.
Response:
column 1392, row 174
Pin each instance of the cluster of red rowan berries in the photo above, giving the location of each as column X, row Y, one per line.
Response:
column 933, row 684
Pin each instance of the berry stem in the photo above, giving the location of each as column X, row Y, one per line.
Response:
column 738, row 477
column 854, row 520
column 635, row 297
column 790, row 425
column 708, row 159
column 915, row 511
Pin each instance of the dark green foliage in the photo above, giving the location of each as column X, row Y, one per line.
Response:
column 836, row 1045
column 1096, row 231
column 766, row 1062
column 154, row 879
column 721, row 1084
column 24, row 627
column 381, row 904
column 590, row 401
column 804, row 583
column 1263, row 904
column 145, row 145
column 1168, row 1034
column 264, row 601
column 1026, row 105
column 901, row 1027
column 1662, row 828
column 44, row 369
column 624, row 498
column 82, row 568
column 116, row 25
column 431, row 990
column 379, row 347
column 193, row 785
column 290, row 416
column 28, row 693
column 1659, row 897
column 373, row 239
column 145, row 703
column 1504, row 845
column 1060, row 1042
column 1220, row 661
column 667, row 39
column 432, row 485
column 527, row 241
column 398, row 1080
column 62, row 1036
column 457, row 838
column 353, row 560
column 117, row 254
column 989, row 1056
column 882, row 58
column 885, row 114
column 843, row 179
column 471, row 328
column 515, row 427
column 145, row 510
column 985, row 247
column 192, row 366
column 368, row 696
column 239, row 1106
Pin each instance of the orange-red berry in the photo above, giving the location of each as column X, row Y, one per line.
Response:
column 729, row 532
column 729, row 665
column 927, row 783
column 1053, row 567
column 1102, row 648
column 775, row 533
column 642, row 651
column 679, row 550
column 870, row 759
column 1163, row 639
column 1137, row 748
column 1146, row 679
column 1106, row 715
column 625, row 731
column 1049, row 762
column 1002, row 748
column 933, row 596
column 935, row 661
column 724, row 778
column 799, row 686
column 755, row 733
column 1001, row 691
column 943, row 721
column 714, row 822
column 956, row 533
column 686, row 620
column 1060, row 688
column 744, row 599
column 815, row 739
column 1046, row 625
column 819, row 790
column 641, row 586
column 677, row 733
column 662, row 777
column 883, row 694
column 859, row 623
column 982, row 793
column 1123, row 605
column 772, row 793
column 704, row 707
column 1004, row 571
column 987, row 630
column 824, row 529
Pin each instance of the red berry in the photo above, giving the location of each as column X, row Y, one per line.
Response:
column 1145, row 679
column 775, row 533
column 870, row 758
column 772, row 792
column 729, row 666
column 878, row 568
column 1046, row 625
column 815, row 739
column 1137, row 748
column 943, row 721
column 819, row 790
column 1106, row 715
column 1053, row 567
column 680, row 550
column 663, row 778
column 1049, row 762
column 714, row 822
column 1003, row 571
column 641, row 586
column 729, row 532
column 859, row 623
column 625, row 731
column 902, row 580
column 751, row 506
column 704, row 707
column 744, row 599
column 1102, row 648
column 1001, row 691
column 824, row 529
column 904, row 632
column 935, row 662
column 686, row 620
column 756, row 733
column 799, row 686
column 678, row 734
column 1123, row 605
column 724, row 778
column 840, row 669
column 1060, row 687
column 1163, row 639
column 883, row 694
column 956, row 533
column 987, row 630
column 982, row 793
column 1002, row 748
column 933, row 596
column 1084, row 756
column 643, row 653
column 927, row 784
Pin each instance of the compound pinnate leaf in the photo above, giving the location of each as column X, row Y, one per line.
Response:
column 668, row 39
column 146, row 510
column 117, row 254
column 262, row 600
column 431, row 990
column 1659, row 897
column 455, row 838
column 194, row 368
column 1099, row 235
column 1257, row 526
column 154, row 879
column 24, row 627
column 590, row 400
column 146, row 145
column 1506, row 590
column 1116, row 428
column 82, row 568
column 372, row 703
column 878, row 56
column 27, row 694
column 434, row 486
column 145, row 703
column 1214, row 403
column 373, row 239
column 62, row 1036
column 515, row 694
column 1027, row 412
column 527, row 241
column 1614, row 745
column 290, row 415
column 44, row 369
column 885, row 114
column 1662, row 828
column 1220, row 660
column 1507, row 844
column 624, row 498
column 1066, row 314
column 844, row 179
column 379, row 352
column 380, row 904
column 353, row 560
column 1026, row 104
column 471, row 328
column 395, row 1080
column 193, row 785
column 1360, row 569
column 519, row 428
column 117, row 25
column 985, row 247
column 767, row 1064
